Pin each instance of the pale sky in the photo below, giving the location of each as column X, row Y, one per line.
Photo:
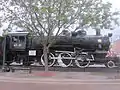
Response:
column 116, row 32
column 116, row 6
column 115, row 3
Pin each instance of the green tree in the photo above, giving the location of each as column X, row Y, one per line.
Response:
column 48, row 17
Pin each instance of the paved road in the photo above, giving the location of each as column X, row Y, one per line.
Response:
column 58, row 85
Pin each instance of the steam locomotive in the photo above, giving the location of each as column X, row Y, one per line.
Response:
column 77, row 49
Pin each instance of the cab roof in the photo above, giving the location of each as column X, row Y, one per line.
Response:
column 18, row 33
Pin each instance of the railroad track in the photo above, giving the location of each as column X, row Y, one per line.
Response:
column 74, row 69
column 92, row 68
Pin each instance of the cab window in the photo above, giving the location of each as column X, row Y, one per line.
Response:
column 14, row 38
column 21, row 39
column 18, row 39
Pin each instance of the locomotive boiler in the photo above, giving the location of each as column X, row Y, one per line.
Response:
column 77, row 49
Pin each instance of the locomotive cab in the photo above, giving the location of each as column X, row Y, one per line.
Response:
column 18, row 40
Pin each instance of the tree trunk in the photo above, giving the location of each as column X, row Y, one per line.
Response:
column 45, row 52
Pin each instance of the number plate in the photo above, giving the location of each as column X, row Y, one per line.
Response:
column 32, row 52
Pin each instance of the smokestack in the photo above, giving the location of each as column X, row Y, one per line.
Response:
column 98, row 32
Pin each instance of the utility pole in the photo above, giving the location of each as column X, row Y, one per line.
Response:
column 4, row 53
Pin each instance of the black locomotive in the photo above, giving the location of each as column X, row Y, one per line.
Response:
column 78, row 49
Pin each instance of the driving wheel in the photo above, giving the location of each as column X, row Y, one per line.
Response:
column 82, row 61
column 65, row 60
column 51, row 60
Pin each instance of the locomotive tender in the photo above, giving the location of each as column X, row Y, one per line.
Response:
column 77, row 49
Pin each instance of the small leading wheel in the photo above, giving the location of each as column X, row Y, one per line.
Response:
column 82, row 61
column 51, row 61
column 65, row 60
column 110, row 64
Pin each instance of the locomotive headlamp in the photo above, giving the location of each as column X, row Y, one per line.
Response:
column 99, row 40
